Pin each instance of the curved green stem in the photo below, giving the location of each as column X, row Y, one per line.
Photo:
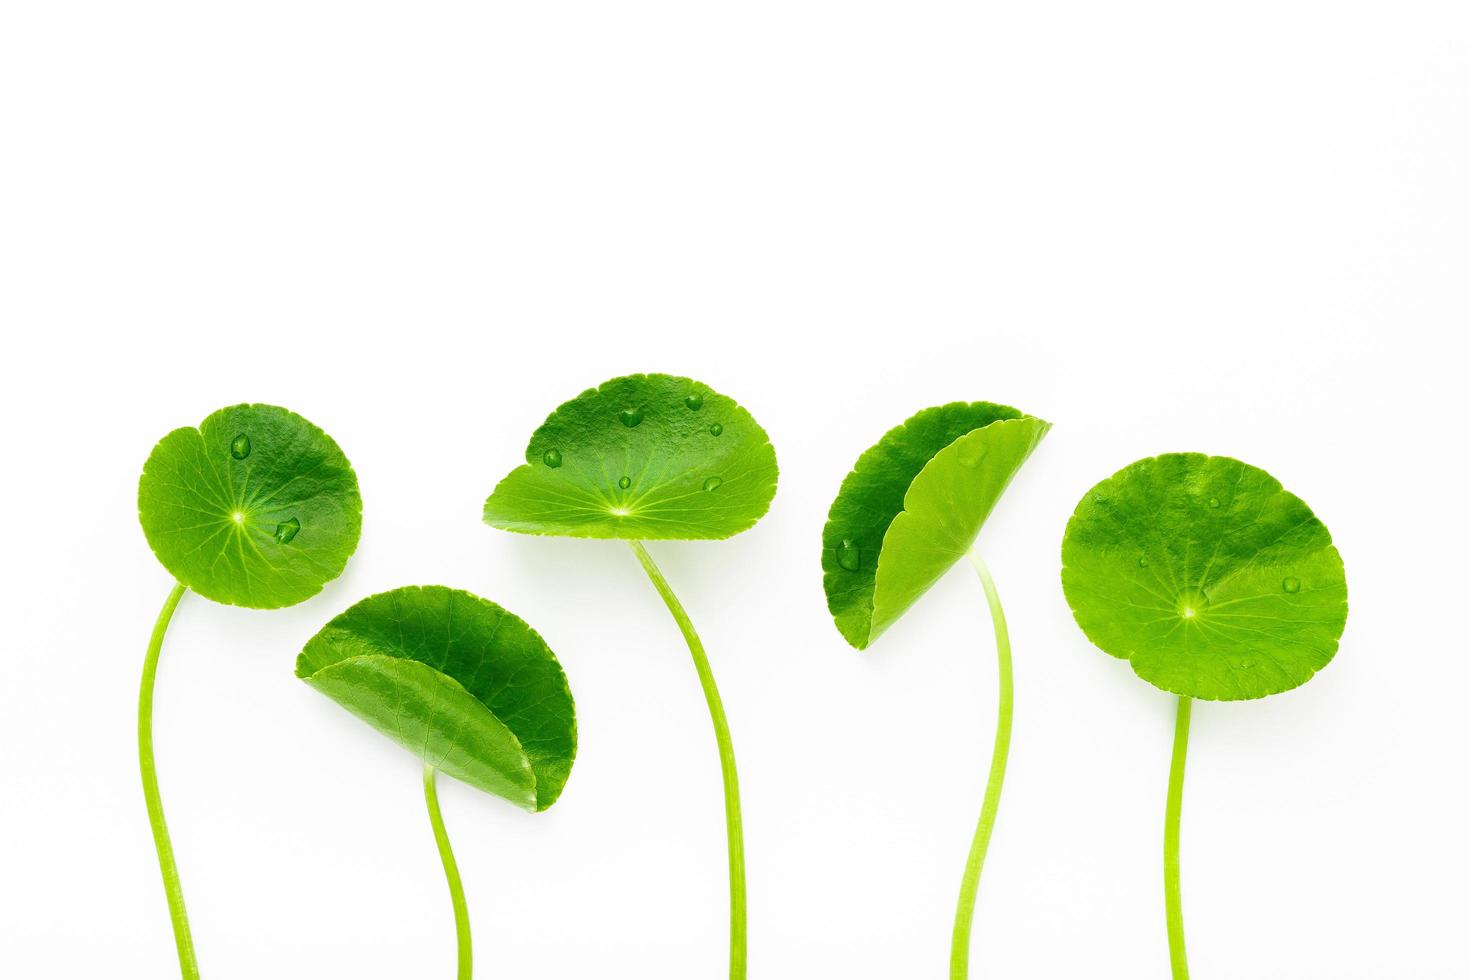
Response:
column 1173, row 908
column 183, row 939
column 733, row 832
column 964, row 916
column 451, row 874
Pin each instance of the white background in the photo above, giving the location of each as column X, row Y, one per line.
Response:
column 1233, row 228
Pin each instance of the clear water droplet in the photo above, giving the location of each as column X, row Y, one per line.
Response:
column 1291, row 584
column 972, row 459
column 286, row 530
column 1143, row 561
column 849, row 557
column 1244, row 664
column 631, row 417
column 694, row 402
column 716, row 428
column 1214, row 503
column 552, row 458
column 240, row 446
column 712, row 483
column 624, row 483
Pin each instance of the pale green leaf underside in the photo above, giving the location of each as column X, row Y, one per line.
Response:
column 256, row 507
column 463, row 684
column 433, row 716
column 913, row 505
column 640, row 457
column 1207, row 576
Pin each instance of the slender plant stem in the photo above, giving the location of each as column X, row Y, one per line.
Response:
column 964, row 916
column 733, row 832
column 1173, row 908
column 183, row 939
column 451, row 874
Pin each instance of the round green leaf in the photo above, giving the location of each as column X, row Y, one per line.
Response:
column 257, row 507
column 1207, row 576
column 464, row 685
column 913, row 505
column 642, row 457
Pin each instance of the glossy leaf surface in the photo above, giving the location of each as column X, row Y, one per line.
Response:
column 466, row 686
column 647, row 456
column 256, row 507
column 913, row 505
column 1206, row 575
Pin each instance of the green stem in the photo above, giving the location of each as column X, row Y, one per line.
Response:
column 451, row 874
column 964, row 916
column 183, row 939
column 733, row 832
column 1173, row 908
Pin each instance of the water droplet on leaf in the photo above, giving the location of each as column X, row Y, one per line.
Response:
column 624, row 483
column 631, row 417
column 712, row 483
column 1214, row 503
column 286, row 530
column 240, row 446
column 552, row 458
column 972, row 458
column 716, row 429
column 848, row 556
column 1291, row 584
column 694, row 402
column 1143, row 561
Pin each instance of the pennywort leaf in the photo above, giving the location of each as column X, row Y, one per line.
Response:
column 1207, row 576
column 461, row 683
column 643, row 457
column 256, row 507
column 652, row 456
column 913, row 505
column 1213, row 582
column 464, row 685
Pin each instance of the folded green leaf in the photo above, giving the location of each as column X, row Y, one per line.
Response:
column 1207, row 576
column 647, row 456
column 913, row 505
column 256, row 507
column 466, row 686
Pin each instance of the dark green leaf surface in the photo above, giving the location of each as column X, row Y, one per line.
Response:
column 256, row 507
column 648, row 456
column 466, row 686
column 913, row 505
column 1207, row 576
